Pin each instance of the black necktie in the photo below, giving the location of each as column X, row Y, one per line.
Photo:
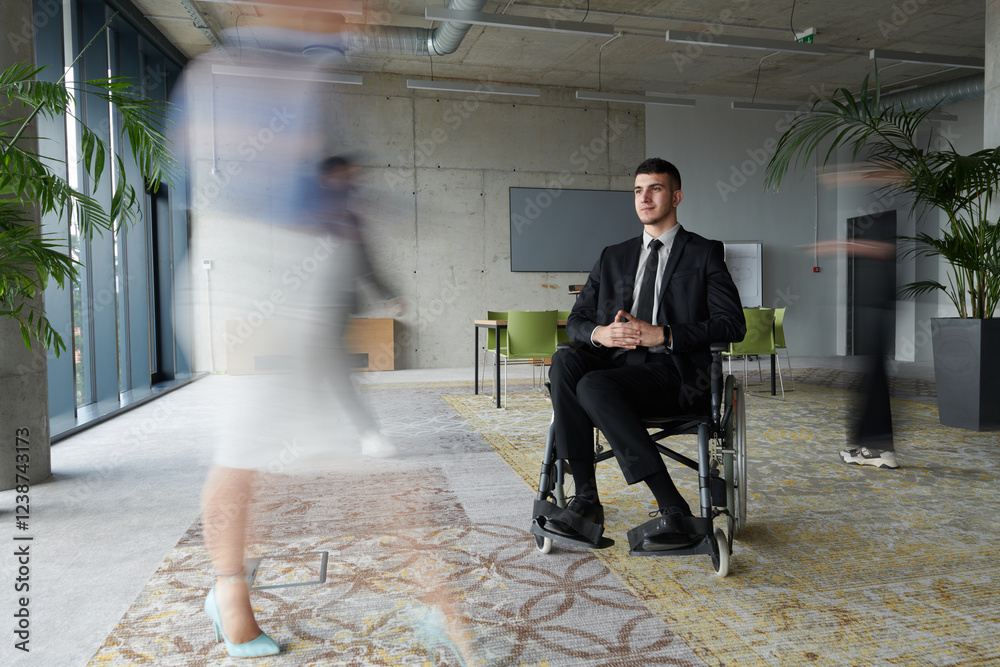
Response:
column 644, row 310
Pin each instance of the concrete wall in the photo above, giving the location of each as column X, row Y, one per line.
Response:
column 721, row 154
column 438, row 167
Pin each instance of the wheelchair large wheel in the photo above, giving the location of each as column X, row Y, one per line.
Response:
column 734, row 457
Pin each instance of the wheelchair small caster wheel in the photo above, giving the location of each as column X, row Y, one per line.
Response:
column 720, row 553
column 544, row 544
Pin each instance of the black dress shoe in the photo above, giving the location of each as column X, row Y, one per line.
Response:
column 589, row 509
column 671, row 539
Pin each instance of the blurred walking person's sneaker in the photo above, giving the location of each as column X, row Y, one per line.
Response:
column 864, row 456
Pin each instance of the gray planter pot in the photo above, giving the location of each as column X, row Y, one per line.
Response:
column 967, row 372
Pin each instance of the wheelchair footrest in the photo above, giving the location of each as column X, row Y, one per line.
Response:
column 538, row 528
column 669, row 525
column 705, row 545
column 588, row 530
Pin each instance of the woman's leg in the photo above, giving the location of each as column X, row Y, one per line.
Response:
column 226, row 501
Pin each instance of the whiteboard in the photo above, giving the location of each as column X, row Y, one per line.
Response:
column 744, row 261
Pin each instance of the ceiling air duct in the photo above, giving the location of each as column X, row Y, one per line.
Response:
column 439, row 41
column 950, row 92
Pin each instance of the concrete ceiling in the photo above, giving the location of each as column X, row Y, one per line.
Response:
column 641, row 60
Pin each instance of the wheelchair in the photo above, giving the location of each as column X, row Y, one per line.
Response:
column 722, row 475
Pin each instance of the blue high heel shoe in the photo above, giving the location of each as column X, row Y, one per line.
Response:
column 262, row 645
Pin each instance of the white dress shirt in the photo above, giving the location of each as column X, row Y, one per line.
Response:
column 667, row 239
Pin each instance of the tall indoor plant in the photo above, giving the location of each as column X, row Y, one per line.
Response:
column 884, row 134
column 30, row 186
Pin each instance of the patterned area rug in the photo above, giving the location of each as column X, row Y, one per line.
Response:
column 839, row 565
column 914, row 389
column 428, row 563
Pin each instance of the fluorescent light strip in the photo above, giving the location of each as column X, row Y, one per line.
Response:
column 297, row 75
column 479, row 89
column 761, row 106
column 708, row 39
column 942, row 116
column 927, row 59
column 341, row 7
column 797, row 109
column 634, row 99
column 653, row 17
column 499, row 21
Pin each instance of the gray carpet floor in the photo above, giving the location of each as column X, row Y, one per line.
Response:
column 126, row 491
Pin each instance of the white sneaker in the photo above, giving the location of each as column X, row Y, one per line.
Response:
column 863, row 456
column 376, row 445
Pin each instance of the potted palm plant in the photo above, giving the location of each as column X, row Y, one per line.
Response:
column 887, row 135
column 31, row 186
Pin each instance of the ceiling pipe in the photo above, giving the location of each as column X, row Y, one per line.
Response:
column 950, row 92
column 439, row 41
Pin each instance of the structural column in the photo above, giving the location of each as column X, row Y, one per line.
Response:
column 991, row 104
column 24, row 411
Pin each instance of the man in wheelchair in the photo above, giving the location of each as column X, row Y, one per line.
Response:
column 641, row 331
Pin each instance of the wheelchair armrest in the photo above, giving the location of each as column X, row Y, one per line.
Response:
column 716, row 380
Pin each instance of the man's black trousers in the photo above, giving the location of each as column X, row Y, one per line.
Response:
column 590, row 389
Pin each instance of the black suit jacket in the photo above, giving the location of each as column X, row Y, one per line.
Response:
column 698, row 300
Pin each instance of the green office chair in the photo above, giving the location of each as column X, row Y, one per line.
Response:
column 758, row 341
column 561, row 335
column 531, row 334
column 779, row 343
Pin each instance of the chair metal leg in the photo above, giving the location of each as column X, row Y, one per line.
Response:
column 482, row 372
column 777, row 364
column 503, row 395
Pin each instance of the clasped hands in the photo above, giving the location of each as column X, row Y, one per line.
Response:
column 629, row 333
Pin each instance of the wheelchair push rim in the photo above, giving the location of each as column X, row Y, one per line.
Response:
column 734, row 457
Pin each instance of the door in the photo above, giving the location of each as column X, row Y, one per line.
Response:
column 871, row 288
